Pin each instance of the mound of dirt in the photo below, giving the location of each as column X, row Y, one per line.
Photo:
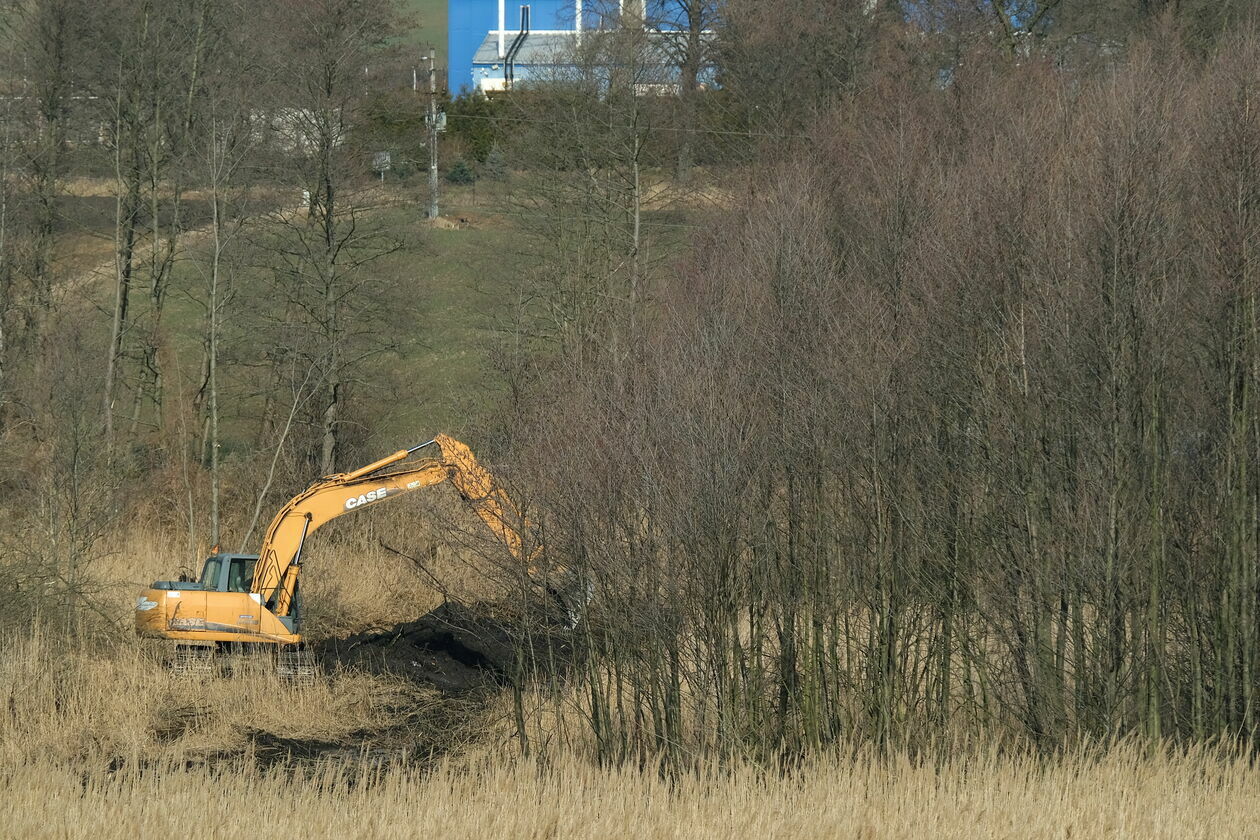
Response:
column 454, row 648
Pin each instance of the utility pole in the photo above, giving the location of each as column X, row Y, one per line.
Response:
column 433, row 133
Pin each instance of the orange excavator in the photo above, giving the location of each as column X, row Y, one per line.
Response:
column 256, row 599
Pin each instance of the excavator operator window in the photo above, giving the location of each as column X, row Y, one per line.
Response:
column 210, row 574
column 240, row 574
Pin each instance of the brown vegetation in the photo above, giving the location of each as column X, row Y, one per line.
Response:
column 1124, row 794
column 951, row 427
column 895, row 392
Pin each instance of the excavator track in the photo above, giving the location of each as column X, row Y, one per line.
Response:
column 296, row 666
column 193, row 661
column 207, row 661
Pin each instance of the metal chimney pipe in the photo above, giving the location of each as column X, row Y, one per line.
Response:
column 577, row 20
column 502, row 17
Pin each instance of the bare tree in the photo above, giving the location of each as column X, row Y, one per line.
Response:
column 152, row 67
column 585, row 134
column 330, row 52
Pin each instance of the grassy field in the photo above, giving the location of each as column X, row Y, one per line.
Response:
column 458, row 280
column 452, row 284
column 1124, row 795
column 105, row 743
column 448, row 286
column 432, row 24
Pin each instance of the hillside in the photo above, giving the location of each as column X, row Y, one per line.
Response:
column 829, row 418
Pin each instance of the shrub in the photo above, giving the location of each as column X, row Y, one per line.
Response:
column 461, row 173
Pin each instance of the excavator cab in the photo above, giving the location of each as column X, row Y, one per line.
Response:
column 190, row 611
column 228, row 572
column 234, row 572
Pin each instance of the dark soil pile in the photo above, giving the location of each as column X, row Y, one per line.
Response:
column 454, row 648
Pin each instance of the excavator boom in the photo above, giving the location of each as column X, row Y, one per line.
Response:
column 322, row 502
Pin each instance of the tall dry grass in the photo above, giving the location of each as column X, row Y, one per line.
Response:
column 100, row 739
column 92, row 707
column 1124, row 794
column 108, row 744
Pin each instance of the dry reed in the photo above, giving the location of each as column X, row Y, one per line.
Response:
column 1124, row 794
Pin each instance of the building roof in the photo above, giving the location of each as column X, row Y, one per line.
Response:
column 538, row 48
column 552, row 47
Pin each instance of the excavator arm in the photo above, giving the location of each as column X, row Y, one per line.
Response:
column 279, row 560
column 477, row 486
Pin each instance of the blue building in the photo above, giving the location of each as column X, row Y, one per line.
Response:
column 492, row 43
column 471, row 22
